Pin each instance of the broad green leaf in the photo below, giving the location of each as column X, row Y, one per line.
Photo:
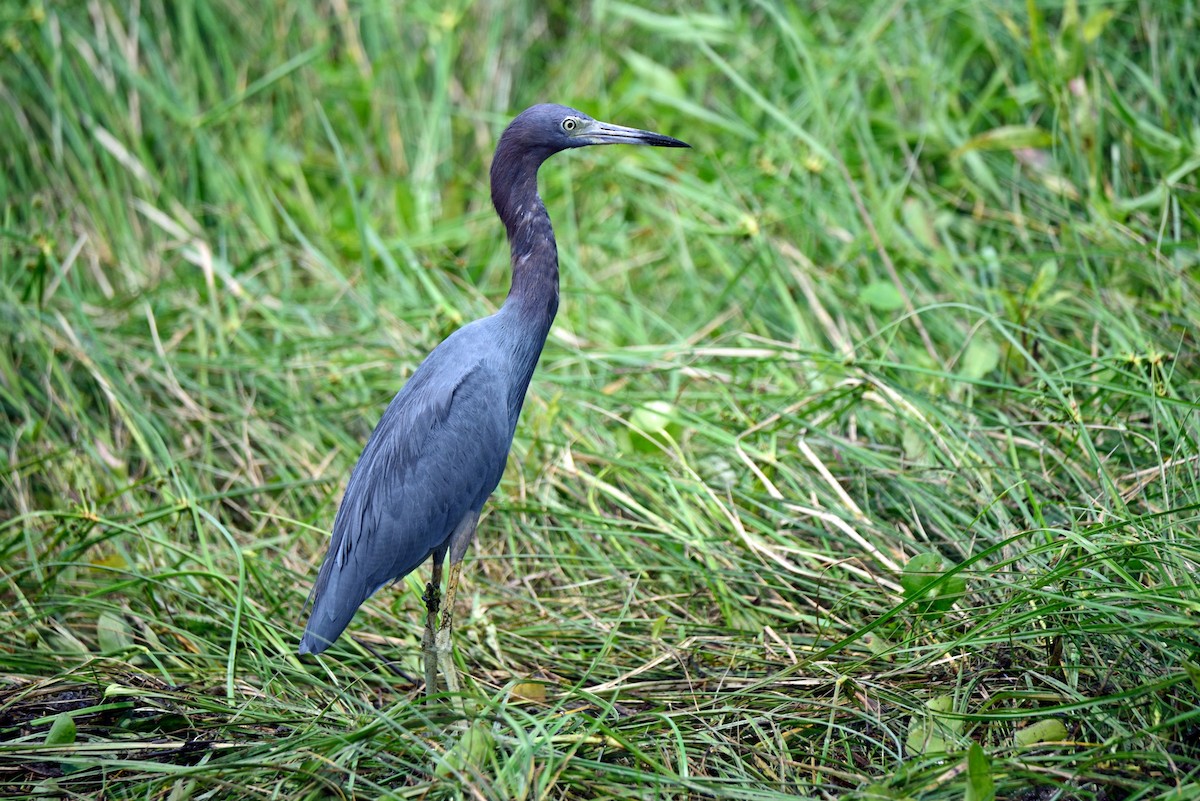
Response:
column 1051, row 730
column 947, row 593
column 1095, row 24
column 653, row 423
column 981, row 357
column 916, row 445
column 879, row 646
column 934, row 731
column 62, row 731
column 980, row 786
column 881, row 296
column 920, row 570
column 471, row 752
column 919, row 573
column 530, row 691
column 113, row 633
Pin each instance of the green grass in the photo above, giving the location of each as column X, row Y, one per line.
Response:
column 927, row 284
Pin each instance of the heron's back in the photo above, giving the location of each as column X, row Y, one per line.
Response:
column 438, row 452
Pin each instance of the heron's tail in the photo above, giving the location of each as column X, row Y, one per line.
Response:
column 333, row 607
column 320, row 634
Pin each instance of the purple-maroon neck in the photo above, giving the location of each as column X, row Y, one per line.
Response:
column 534, row 293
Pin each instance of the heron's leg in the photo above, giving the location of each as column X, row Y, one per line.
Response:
column 457, row 547
column 433, row 592
column 445, row 647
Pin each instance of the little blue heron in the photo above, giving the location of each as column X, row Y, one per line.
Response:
column 440, row 448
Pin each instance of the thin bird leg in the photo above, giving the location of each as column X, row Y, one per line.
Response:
column 433, row 591
column 445, row 653
column 456, row 548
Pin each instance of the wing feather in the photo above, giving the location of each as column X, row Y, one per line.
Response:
column 438, row 452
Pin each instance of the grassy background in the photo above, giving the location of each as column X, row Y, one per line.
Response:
column 927, row 284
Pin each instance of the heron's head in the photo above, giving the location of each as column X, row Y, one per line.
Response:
column 538, row 133
column 549, row 128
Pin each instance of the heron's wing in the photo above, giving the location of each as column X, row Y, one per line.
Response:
column 438, row 452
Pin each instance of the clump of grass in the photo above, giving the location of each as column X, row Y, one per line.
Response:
column 862, row 459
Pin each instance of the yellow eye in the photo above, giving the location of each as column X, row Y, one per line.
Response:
column 569, row 124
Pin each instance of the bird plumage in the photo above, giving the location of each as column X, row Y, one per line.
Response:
column 440, row 449
column 437, row 454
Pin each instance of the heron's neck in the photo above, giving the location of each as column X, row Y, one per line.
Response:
column 534, row 293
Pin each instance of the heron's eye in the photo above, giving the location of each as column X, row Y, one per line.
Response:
column 570, row 123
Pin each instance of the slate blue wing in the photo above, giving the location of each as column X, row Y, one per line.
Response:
column 438, row 452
